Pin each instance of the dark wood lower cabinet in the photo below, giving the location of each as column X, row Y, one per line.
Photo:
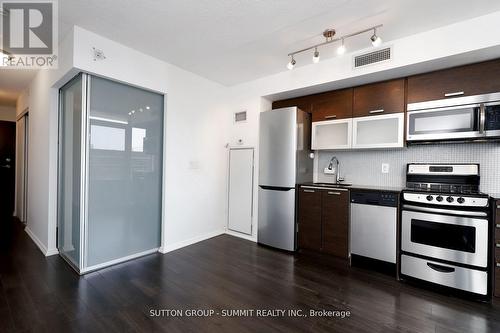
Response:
column 335, row 219
column 309, row 219
column 323, row 221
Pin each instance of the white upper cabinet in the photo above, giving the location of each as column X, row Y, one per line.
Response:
column 332, row 134
column 384, row 131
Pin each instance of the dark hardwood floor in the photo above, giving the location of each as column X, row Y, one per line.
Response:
column 41, row 294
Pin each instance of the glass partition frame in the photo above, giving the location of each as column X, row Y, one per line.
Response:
column 85, row 138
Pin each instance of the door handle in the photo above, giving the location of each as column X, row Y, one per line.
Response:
column 376, row 111
column 331, row 117
column 309, row 191
column 482, row 118
column 334, row 193
column 7, row 166
column 439, row 268
column 456, row 93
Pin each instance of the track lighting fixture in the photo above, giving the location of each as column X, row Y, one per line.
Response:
column 329, row 38
column 341, row 48
column 316, row 56
column 376, row 40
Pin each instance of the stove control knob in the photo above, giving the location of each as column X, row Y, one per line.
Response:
column 461, row 200
column 439, row 198
column 430, row 197
column 450, row 199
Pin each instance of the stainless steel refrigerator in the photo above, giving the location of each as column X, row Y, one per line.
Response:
column 284, row 161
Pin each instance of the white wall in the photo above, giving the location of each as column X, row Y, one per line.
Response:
column 464, row 42
column 7, row 113
column 194, row 153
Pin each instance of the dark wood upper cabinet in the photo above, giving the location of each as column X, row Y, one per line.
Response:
column 379, row 98
column 332, row 105
column 303, row 103
column 335, row 218
column 309, row 219
column 475, row 79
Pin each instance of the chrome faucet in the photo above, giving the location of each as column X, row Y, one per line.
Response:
column 337, row 169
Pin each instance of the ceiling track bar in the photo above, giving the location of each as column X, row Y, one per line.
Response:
column 329, row 41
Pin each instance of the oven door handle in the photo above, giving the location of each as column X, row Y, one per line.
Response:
column 440, row 268
column 445, row 211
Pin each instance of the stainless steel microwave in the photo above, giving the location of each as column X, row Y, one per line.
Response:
column 463, row 118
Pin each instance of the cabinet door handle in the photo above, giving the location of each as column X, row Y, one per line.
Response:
column 498, row 225
column 331, row 117
column 456, row 93
column 498, row 264
column 334, row 193
column 498, row 206
column 497, row 244
column 309, row 191
column 376, row 111
column 440, row 268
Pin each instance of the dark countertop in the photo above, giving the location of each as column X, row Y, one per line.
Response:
column 355, row 187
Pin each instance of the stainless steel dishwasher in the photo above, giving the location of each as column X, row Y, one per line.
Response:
column 373, row 224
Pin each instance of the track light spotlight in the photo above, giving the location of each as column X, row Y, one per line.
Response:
column 316, row 56
column 376, row 40
column 291, row 64
column 341, row 48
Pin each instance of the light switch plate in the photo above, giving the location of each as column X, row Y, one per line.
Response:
column 385, row 167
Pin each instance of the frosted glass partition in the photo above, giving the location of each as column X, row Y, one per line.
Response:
column 110, row 172
column 69, row 193
column 125, row 171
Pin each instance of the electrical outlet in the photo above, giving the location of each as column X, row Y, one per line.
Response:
column 385, row 167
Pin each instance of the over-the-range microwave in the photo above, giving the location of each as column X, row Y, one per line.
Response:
column 460, row 118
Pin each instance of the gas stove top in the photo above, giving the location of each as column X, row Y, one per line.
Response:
column 444, row 185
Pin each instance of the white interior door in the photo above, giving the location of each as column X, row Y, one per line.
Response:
column 241, row 165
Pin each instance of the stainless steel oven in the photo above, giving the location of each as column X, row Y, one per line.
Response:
column 465, row 118
column 446, row 227
column 456, row 236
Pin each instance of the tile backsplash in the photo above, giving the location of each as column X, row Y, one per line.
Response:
column 364, row 167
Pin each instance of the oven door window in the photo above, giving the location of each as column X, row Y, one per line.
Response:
column 444, row 121
column 449, row 236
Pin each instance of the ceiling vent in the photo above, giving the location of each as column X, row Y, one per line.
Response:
column 240, row 117
column 374, row 57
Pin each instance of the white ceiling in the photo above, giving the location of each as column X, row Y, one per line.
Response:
column 233, row 41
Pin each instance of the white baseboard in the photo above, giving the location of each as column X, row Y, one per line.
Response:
column 178, row 245
column 46, row 252
column 51, row 252
column 240, row 235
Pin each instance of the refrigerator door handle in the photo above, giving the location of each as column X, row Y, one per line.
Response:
column 276, row 188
